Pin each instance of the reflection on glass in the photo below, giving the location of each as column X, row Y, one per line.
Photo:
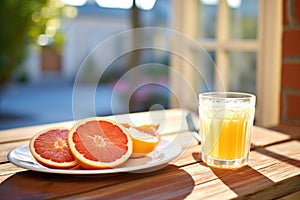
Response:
column 244, row 20
column 242, row 71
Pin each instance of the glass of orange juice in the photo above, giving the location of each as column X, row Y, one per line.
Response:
column 226, row 122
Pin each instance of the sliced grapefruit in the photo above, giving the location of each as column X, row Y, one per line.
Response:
column 100, row 143
column 50, row 148
column 145, row 138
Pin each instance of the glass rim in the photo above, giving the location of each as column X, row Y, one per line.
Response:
column 226, row 95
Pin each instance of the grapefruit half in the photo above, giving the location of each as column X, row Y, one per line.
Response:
column 100, row 143
column 50, row 148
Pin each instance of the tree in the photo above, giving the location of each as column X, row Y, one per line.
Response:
column 21, row 23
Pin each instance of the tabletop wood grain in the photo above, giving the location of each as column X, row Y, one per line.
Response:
column 273, row 170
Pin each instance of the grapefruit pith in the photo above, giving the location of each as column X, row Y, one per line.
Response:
column 145, row 138
column 50, row 148
column 100, row 143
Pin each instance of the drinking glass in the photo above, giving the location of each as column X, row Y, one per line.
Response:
column 226, row 122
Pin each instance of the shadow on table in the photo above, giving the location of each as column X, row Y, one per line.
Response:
column 289, row 129
column 239, row 180
column 245, row 180
column 167, row 183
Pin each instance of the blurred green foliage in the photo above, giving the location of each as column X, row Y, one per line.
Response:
column 21, row 23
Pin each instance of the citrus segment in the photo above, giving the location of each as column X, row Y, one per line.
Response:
column 145, row 138
column 50, row 148
column 100, row 143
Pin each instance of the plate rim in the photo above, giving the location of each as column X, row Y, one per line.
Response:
column 137, row 168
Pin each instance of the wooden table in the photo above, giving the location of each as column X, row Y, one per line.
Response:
column 273, row 170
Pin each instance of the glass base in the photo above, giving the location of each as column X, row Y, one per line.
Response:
column 225, row 164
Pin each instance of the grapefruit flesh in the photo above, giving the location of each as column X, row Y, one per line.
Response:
column 100, row 143
column 50, row 148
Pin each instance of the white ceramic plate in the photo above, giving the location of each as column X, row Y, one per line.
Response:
column 164, row 153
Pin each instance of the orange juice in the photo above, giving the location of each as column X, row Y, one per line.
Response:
column 226, row 138
column 226, row 121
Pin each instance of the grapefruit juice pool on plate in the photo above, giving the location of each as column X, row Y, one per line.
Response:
column 226, row 121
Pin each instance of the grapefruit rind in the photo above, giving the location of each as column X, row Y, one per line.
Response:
column 47, row 162
column 91, row 164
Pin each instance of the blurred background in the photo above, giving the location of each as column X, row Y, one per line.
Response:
column 44, row 43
